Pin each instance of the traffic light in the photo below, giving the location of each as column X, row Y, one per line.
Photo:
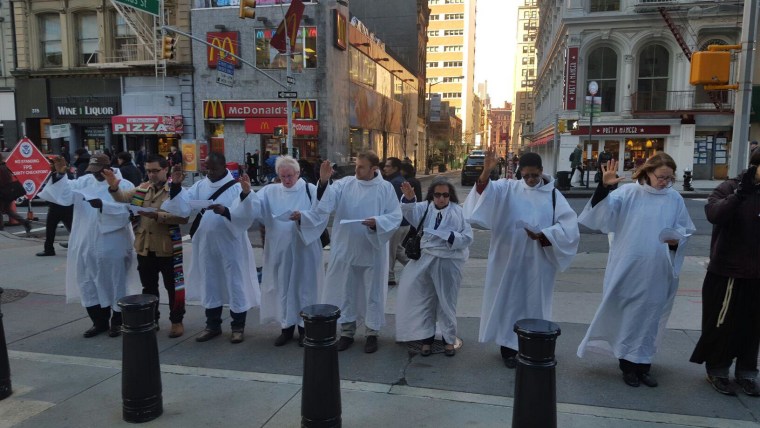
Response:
column 710, row 68
column 247, row 9
column 279, row 131
column 168, row 47
column 562, row 126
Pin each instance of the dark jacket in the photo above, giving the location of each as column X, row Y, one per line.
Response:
column 396, row 179
column 81, row 165
column 130, row 172
column 735, row 244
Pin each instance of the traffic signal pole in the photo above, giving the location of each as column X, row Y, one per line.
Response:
column 739, row 146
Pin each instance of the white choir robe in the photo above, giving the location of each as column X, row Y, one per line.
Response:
column 357, row 276
column 222, row 268
column 641, row 278
column 101, row 244
column 293, row 272
column 429, row 287
column 520, row 273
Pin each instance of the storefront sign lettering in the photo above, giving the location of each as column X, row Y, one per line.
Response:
column 571, row 78
column 624, row 130
column 240, row 110
column 147, row 124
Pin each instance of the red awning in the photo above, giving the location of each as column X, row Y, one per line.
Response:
column 541, row 141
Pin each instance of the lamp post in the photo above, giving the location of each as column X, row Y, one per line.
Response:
column 593, row 88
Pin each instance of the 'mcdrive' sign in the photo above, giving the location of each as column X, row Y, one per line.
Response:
column 226, row 41
column 241, row 110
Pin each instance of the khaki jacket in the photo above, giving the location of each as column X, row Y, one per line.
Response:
column 152, row 235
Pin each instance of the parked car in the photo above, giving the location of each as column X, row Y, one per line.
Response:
column 473, row 166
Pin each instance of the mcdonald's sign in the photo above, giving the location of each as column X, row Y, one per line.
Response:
column 226, row 40
column 304, row 109
column 240, row 110
column 341, row 30
column 213, row 109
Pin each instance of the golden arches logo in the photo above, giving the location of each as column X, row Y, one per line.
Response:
column 213, row 109
column 264, row 126
column 219, row 46
column 300, row 107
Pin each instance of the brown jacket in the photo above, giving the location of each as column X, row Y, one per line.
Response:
column 152, row 235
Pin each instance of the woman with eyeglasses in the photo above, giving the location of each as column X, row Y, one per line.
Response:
column 429, row 287
column 651, row 227
column 534, row 235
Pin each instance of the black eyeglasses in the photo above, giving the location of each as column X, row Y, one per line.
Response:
column 529, row 176
column 441, row 195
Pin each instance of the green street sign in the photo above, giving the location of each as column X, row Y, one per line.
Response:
column 150, row 6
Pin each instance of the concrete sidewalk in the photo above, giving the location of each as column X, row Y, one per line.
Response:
column 63, row 380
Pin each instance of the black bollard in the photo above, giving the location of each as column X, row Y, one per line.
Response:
column 320, row 392
column 5, row 366
column 535, row 380
column 140, row 374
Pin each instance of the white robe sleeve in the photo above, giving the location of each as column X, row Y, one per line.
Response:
column 563, row 235
column 413, row 212
column 387, row 222
column 114, row 215
column 320, row 212
column 310, row 231
column 58, row 192
column 604, row 216
column 462, row 239
column 178, row 205
column 479, row 208
column 243, row 213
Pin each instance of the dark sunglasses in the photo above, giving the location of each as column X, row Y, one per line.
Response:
column 441, row 195
column 528, row 176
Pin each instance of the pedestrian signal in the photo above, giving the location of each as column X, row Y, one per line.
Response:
column 168, row 47
column 279, row 131
column 247, row 9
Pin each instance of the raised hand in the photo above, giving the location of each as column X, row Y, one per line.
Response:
column 491, row 160
column 245, row 183
column 325, row 172
column 111, row 179
column 407, row 190
column 59, row 164
column 178, row 176
column 609, row 173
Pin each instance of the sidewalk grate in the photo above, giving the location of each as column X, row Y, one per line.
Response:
column 11, row 295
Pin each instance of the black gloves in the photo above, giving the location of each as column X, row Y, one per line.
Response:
column 747, row 185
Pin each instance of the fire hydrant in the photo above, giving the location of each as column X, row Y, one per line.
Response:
column 687, row 181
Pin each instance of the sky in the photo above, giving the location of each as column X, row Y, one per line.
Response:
column 495, row 38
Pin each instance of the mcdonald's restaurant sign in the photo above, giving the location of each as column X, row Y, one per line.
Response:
column 267, row 125
column 227, row 40
column 240, row 110
column 341, row 30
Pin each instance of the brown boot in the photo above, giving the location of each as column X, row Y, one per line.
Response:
column 177, row 330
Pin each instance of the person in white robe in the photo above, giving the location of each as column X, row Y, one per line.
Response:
column 222, row 267
column 367, row 213
column 534, row 235
column 429, row 287
column 651, row 226
column 292, row 272
column 100, row 245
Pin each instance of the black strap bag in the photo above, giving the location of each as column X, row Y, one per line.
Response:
column 412, row 245
column 324, row 238
column 216, row 194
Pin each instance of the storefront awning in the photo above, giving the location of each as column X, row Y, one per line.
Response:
column 541, row 141
column 157, row 124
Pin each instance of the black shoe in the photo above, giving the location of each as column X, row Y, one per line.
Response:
column 207, row 335
column 370, row 346
column 510, row 362
column 391, row 283
column 95, row 330
column 237, row 336
column 45, row 253
column 721, row 384
column 344, row 343
column 284, row 337
column 631, row 379
column 749, row 386
column 115, row 330
column 64, row 244
column 647, row 380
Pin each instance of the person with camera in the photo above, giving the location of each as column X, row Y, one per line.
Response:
column 731, row 289
column 7, row 197
column 534, row 236
column 429, row 284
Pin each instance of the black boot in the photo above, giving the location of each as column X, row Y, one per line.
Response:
column 98, row 326
column 115, row 329
column 285, row 336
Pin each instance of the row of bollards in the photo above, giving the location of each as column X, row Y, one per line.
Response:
column 535, row 402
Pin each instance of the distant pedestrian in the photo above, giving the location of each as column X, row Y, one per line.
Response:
column 56, row 214
column 576, row 162
column 81, row 161
column 140, row 158
column 174, row 157
column 65, row 153
column 128, row 170
column 392, row 173
column 651, row 226
column 601, row 160
column 534, row 235
column 429, row 287
column 731, row 289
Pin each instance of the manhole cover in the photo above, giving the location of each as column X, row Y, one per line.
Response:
column 11, row 295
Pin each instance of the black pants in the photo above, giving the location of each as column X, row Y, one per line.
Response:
column 56, row 214
column 149, row 267
column 631, row 367
column 580, row 169
column 214, row 319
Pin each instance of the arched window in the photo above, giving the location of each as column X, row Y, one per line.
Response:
column 602, row 68
column 654, row 69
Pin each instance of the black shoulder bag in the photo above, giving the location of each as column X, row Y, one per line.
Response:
column 412, row 245
column 324, row 238
column 216, row 194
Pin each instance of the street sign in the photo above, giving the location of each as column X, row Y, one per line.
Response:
column 291, row 80
column 225, row 72
column 60, row 131
column 150, row 6
column 593, row 88
column 29, row 165
column 287, row 94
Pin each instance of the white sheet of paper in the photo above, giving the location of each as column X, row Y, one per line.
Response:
column 671, row 234
column 284, row 216
column 523, row 225
column 198, row 204
column 351, row 221
column 136, row 209
column 443, row 234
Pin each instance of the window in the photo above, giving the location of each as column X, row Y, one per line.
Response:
column 453, row 48
column 434, row 1
column 87, row 38
column 432, row 48
column 361, row 68
column 602, row 68
column 125, row 41
column 452, row 95
column 452, row 79
column 50, row 40
column 453, row 16
column 653, row 78
column 435, row 17
column 453, row 1
column 453, row 32
column 432, row 33
column 452, row 63
column 604, row 5
column 305, row 48
column 433, row 64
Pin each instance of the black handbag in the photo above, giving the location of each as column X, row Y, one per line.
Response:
column 197, row 220
column 412, row 245
column 324, row 238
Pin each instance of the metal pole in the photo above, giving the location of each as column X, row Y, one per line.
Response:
column 288, row 102
column 320, row 394
column 739, row 155
column 5, row 367
column 590, row 129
